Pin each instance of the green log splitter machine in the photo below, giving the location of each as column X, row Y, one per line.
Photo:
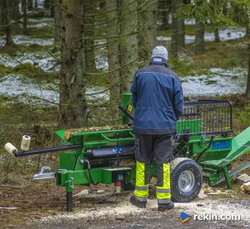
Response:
column 106, row 155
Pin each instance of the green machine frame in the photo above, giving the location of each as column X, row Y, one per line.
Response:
column 97, row 155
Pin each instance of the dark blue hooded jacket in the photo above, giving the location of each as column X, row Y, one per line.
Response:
column 157, row 98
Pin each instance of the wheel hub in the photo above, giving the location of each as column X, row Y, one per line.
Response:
column 186, row 181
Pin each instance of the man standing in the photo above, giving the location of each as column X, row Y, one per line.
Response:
column 158, row 101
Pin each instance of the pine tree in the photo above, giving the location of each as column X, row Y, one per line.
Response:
column 113, row 49
column 128, row 43
column 147, row 18
column 73, row 104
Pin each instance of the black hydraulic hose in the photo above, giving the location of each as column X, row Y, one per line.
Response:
column 48, row 150
column 201, row 153
column 90, row 175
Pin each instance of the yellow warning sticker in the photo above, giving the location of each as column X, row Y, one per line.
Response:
column 130, row 108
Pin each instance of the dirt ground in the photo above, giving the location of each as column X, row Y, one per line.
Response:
column 41, row 204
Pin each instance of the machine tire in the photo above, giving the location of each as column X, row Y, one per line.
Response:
column 127, row 186
column 186, row 179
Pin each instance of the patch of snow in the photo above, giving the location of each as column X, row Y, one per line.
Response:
column 225, row 34
column 39, row 25
column 162, row 38
column 29, row 92
column 219, row 82
column 40, row 20
column 101, row 58
column 40, row 59
column 27, row 40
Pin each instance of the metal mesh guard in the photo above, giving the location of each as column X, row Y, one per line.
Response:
column 206, row 116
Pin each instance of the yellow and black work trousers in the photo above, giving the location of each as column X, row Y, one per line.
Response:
column 149, row 148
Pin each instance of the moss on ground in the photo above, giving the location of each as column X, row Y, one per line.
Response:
column 42, row 32
column 28, row 70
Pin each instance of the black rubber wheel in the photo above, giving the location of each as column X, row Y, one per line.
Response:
column 186, row 179
column 127, row 186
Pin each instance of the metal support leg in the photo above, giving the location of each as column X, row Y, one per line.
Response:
column 228, row 180
column 69, row 194
column 69, row 199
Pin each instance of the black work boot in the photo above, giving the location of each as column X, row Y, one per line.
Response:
column 138, row 203
column 167, row 206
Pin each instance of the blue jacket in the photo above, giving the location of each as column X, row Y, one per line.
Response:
column 157, row 98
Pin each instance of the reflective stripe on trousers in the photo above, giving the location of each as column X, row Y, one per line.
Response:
column 163, row 193
column 141, row 189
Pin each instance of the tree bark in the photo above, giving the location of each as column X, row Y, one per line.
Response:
column 6, row 23
column 14, row 13
column 128, row 43
column 165, row 9
column 216, row 34
column 89, row 31
column 30, row 4
column 248, row 75
column 113, row 49
column 181, row 33
column 24, row 8
column 199, row 46
column 58, row 21
column 46, row 4
column 174, row 48
column 52, row 8
column 73, row 105
column 36, row 4
column 1, row 16
column 147, row 16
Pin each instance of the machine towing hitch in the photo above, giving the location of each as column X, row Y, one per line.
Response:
column 203, row 149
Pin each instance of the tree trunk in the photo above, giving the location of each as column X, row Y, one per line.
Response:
column 14, row 13
column 147, row 18
column 128, row 43
column 112, row 19
column 181, row 33
column 174, row 39
column 73, row 103
column 36, row 5
column 1, row 16
column 113, row 49
column 199, row 46
column 89, row 31
column 30, row 4
column 24, row 7
column 6, row 23
column 46, row 4
column 58, row 21
column 248, row 75
column 165, row 9
column 52, row 8
column 216, row 34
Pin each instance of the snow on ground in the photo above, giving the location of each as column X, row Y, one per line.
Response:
column 226, row 34
column 27, row 40
column 39, row 25
column 101, row 59
column 29, row 92
column 40, row 59
column 41, row 20
column 219, row 82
